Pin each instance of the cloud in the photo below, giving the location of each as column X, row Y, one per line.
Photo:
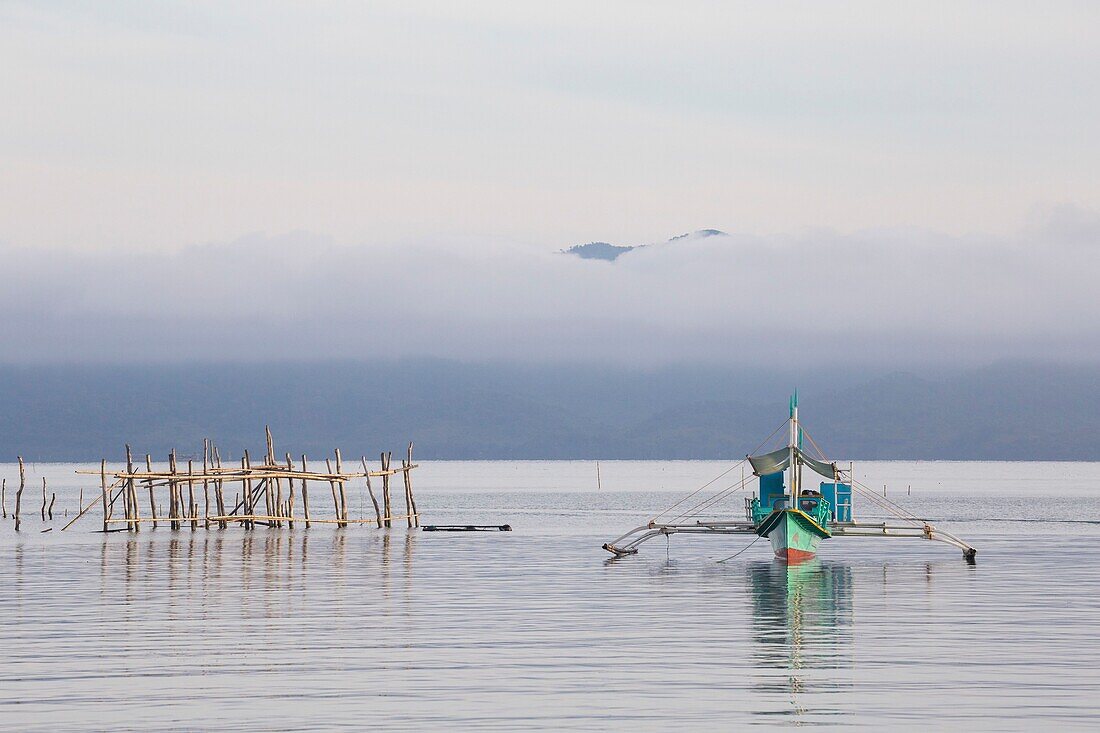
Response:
column 140, row 124
column 896, row 297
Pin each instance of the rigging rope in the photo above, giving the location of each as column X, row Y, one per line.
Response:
column 869, row 493
column 820, row 453
column 886, row 504
column 710, row 501
column 741, row 550
column 708, row 483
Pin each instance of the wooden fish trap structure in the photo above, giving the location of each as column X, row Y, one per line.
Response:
column 270, row 493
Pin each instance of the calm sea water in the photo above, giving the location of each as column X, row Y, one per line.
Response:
column 540, row 629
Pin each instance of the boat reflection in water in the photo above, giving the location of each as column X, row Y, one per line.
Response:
column 802, row 621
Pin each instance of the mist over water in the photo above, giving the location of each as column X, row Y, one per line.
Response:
column 885, row 297
column 540, row 629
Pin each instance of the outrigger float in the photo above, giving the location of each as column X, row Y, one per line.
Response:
column 795, row 519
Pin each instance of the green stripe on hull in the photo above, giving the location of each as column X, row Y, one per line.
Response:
column 793, row 534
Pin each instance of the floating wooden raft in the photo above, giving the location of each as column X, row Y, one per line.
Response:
column 268, row 493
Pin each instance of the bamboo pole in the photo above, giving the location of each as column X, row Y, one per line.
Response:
column 103, row 490
column 131, row 489
column 235, row 474
column 332, row 487
column 152, row 494
column 270, row 498
column 262, row 490
column 408, row 486
column 127, row 513
column 246, row 489
column 219, row 494
column 408, row 499
column 305, row 492
column 206, row 483
column 177, row 488
column 43, row 498
column 408, row 482
column 386, row 488
column 106, row 505
column 377, row 511
column 279, row 497
column 192, row 507
column 126, row 496
column 173, row 500
column 269, row 495
column 4, row 496
column 290, row 500
column 343, row 491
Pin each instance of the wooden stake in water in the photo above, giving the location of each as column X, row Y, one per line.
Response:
column 599, row 484
column 131, row 488
column 290, row 499
column 152, row 496
column 332, row 487
column 193, row 508
column 205, row 483
column 386, row 488
column 406, row 475
column 43, row 498
column 305, row 491
column 409, row 482
column 49, row 511
column 343, row 491
column 4, row 496
column 173, row 492
column 19, row 492
column 408, row 500
column 246, row 463
column 103, row 490
column 219, row 495
column 377, row 511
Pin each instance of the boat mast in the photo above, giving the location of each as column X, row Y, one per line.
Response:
column 793, row 440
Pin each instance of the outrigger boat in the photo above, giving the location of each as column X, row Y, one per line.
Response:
column 794, row 518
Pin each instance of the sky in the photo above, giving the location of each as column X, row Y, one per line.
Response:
column 900, row 181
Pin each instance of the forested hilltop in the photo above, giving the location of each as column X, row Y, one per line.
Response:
column 1007, row 411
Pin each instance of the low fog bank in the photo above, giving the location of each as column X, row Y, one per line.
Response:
column 891, row 298
column 1007, row 411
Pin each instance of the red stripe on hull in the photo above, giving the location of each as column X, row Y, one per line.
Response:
column 791, row 555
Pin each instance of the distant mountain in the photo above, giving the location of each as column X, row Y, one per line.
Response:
column 598, row 251
column 611, row 252
column 700, row 234
column 1009, row 411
